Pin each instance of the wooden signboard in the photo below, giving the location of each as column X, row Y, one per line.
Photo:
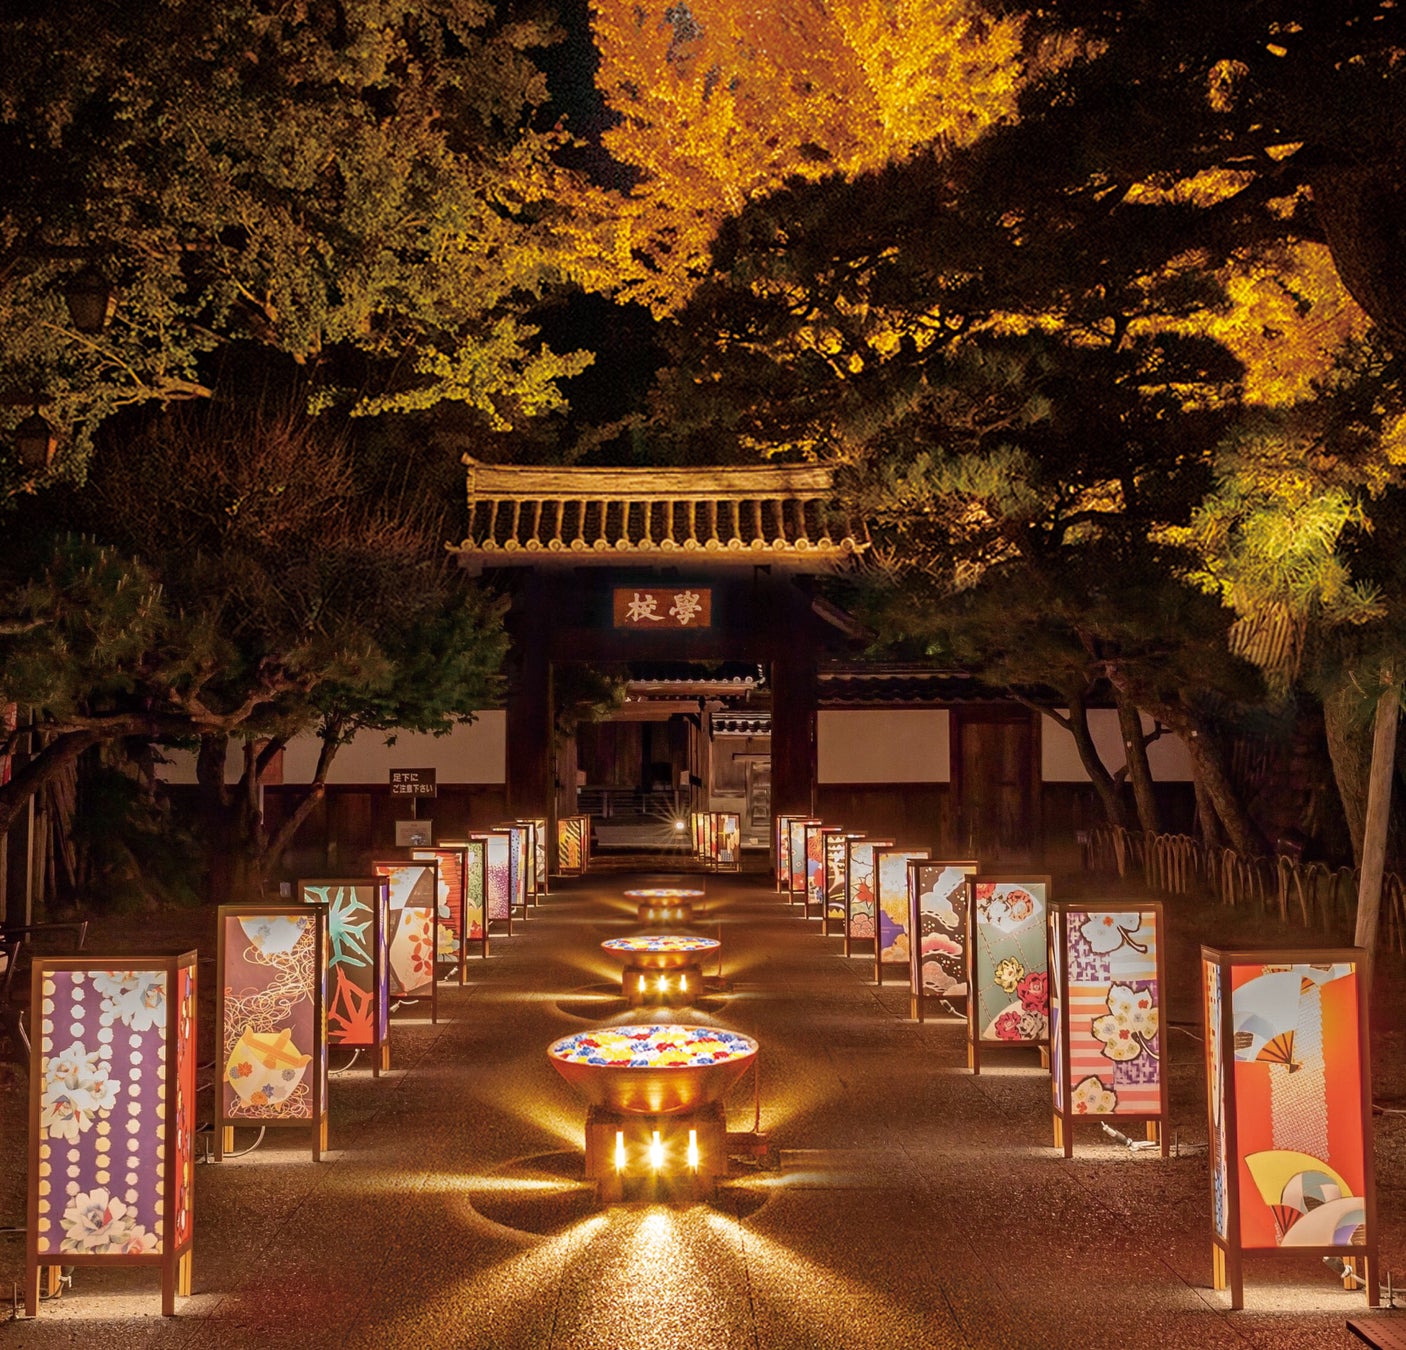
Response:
column 651, row 607
column 112, row 1119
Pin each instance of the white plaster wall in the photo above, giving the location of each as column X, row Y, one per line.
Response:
column 1059, row 756
column 882, row 745
column 476, row 753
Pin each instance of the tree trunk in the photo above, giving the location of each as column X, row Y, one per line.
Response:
column 1206, row 819
column 1349, row 752
column 1139, row 771
column 275, row 848
column 43, row 767
column 230, row 824
column 1077, row 724
column 1206, row 754
column 1213, row 784
column 1369, row 890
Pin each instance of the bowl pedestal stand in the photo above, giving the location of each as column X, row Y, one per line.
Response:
column 639, row 1178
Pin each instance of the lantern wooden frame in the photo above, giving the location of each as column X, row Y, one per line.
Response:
column 881, row 893
column 175, row 1160
column 385, row 867
column 852, row 881
column 316, row 996
column 918, row 995
column 1036, row 937
column 1349, row 1109
column 379, row 991
column 1123, row 964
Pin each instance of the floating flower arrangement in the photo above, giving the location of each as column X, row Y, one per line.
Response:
column 653, row 1047
column 664, row 893
column 663, row 942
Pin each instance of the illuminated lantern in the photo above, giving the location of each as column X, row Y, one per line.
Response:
column 519, row 866
column 796, row 882
column 112, row 1119
column 475, row 891
column 892, row 939
column 573, row 845
column 1007, row 976
column 535, row 880
column 782, row 845
column 1108, row 980
column 662, row 968
column 665, row 904
column 860, row 884
column 498, row 876
column 358, row 970
column 816, row 836
column 727, row 841
column 449, row 906
column 937, row 932
column 834, row 908
column 1288, row 1092
column 271, row 1057
column 538, row 826
column 410, row 937
column 708, row 822
column 656, row 1102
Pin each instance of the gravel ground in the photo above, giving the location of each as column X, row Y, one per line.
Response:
column 913, row 1205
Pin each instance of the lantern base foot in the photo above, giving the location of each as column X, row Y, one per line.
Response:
column 636, row 1157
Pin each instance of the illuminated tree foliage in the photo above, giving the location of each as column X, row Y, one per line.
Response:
column 359, row 187
column 1214, row 127
column 720, row 102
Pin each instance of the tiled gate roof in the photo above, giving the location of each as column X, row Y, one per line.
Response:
column 525, row 515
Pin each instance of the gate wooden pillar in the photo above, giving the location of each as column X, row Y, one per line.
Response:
column 528, row 771
column 793, row 700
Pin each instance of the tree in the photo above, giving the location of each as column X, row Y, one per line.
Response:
column 1209, row 128
column 358, row 188
column 298, row 582
column 1142, row 198
column 720, row 103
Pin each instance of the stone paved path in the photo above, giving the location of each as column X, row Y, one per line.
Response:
column 916, row 1206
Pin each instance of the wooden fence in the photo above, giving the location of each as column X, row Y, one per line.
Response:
column 1311, row 895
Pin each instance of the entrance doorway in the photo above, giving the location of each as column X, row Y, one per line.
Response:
column 670, row 738
column 995, row 769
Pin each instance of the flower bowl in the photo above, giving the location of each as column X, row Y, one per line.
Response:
column 662, row 951
column 663, row 895
column 662, row 1069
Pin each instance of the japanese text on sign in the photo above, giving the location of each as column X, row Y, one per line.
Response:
column 412, row 783
column 663, row 607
